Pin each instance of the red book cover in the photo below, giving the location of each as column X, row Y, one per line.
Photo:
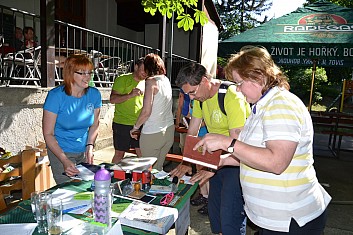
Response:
column 210, row 160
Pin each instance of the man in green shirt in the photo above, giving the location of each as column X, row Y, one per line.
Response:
column 127, row 95
column 225, row 202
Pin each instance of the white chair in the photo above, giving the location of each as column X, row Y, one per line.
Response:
column 24, row 65
column 105, row 67
column 108, row 68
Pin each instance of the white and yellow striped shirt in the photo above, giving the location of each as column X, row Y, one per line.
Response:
column 272, row 200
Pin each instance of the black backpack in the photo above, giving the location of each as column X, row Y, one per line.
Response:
column 222, row 90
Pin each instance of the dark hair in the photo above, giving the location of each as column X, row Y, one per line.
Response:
column 72, row 64
column 26, row 29
column 191, row 73
column 137, row 62
column 154, row 65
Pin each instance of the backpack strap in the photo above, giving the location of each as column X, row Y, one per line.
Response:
column 222, row 93
column 222, row 90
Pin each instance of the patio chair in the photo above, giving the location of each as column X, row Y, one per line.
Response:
column 105, row 67
column 24, row 65
column 108, row 68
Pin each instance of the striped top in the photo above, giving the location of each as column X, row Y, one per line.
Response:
column 271, row 200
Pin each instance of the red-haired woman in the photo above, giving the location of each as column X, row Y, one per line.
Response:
column 71, row 118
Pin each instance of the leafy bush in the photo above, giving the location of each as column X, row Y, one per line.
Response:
column 300, row 81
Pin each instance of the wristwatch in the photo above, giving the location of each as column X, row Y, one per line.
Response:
column 212, row 170
column 230, row 149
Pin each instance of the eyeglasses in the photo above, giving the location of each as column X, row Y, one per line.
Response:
column 239, row 83
column 84, row 73
column 167, row 199
column 193, row 92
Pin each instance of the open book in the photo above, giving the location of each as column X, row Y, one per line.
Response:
column 149, row 217
column 210, row 160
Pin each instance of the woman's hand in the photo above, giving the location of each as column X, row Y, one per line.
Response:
column 213, row 142
column 89, row 154
column 181, row 170
column 202, row 176
column 70, row 168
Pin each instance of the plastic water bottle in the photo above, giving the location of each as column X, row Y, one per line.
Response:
column 102, row 197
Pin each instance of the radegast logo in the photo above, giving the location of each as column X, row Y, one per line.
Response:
column 320, row 23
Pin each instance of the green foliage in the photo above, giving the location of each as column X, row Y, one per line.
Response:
column 300, row 82
column 168, row 7
column 343, row 3
column 239, row 15
column 185, row 21
column 222, row 61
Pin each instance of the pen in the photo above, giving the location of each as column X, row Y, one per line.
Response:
column 73, row 208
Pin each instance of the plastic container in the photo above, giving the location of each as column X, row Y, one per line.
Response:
column 102, row 197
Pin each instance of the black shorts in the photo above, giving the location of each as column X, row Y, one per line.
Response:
column 122, row 139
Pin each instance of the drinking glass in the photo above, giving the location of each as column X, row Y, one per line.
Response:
column 55, row 216
column 41, row 203
column 33, row 203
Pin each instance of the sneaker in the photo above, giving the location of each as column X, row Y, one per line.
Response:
column 203, row 210
column 199, row 200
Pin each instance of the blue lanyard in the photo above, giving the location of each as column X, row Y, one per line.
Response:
column 263, row 95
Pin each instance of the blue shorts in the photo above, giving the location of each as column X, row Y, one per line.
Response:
column 122, row 139
column 225, row 202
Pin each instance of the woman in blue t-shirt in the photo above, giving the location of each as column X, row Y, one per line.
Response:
column 71, row 119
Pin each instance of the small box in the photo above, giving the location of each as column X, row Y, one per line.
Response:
column 120, row 174
column 136, row 176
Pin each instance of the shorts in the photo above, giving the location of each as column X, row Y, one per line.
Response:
column 122, row 139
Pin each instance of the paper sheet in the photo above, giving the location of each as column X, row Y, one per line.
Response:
column 137, row 164
column 161, row 174
column 68, row 201
column 23, row 229
column 75, row 226
column 85, row 174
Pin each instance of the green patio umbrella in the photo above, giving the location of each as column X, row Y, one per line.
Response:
column 320, row 34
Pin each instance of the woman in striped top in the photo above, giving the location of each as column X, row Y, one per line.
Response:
column 274, row 150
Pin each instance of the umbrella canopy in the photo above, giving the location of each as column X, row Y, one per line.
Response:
column 320, row 32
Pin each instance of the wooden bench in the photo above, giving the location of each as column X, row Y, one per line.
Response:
column 23, row 177
column 174, row 157
column 336, row 125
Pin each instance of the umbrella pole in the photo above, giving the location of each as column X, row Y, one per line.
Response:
column 312, row 84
